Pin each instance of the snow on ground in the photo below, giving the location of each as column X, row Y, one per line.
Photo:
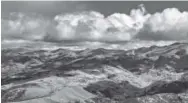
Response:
column 143, row 80
column 82, row 78
column 54, row 89
column 65, row 95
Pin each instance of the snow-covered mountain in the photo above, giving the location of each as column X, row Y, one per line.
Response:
column 154, row 74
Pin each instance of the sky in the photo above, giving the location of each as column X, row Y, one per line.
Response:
column 94, row 21
column 52, row 8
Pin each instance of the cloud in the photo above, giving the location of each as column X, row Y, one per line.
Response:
column 170, row 24
column 24, row 26
column 93, row 26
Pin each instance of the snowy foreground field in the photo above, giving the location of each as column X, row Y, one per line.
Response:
column 152, row 74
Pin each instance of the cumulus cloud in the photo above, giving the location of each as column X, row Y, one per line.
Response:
column 170, row 24
column 93, row 26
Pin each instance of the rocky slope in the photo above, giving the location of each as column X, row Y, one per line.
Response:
column 145, row 75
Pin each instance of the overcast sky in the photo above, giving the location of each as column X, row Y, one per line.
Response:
column 52, row 8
